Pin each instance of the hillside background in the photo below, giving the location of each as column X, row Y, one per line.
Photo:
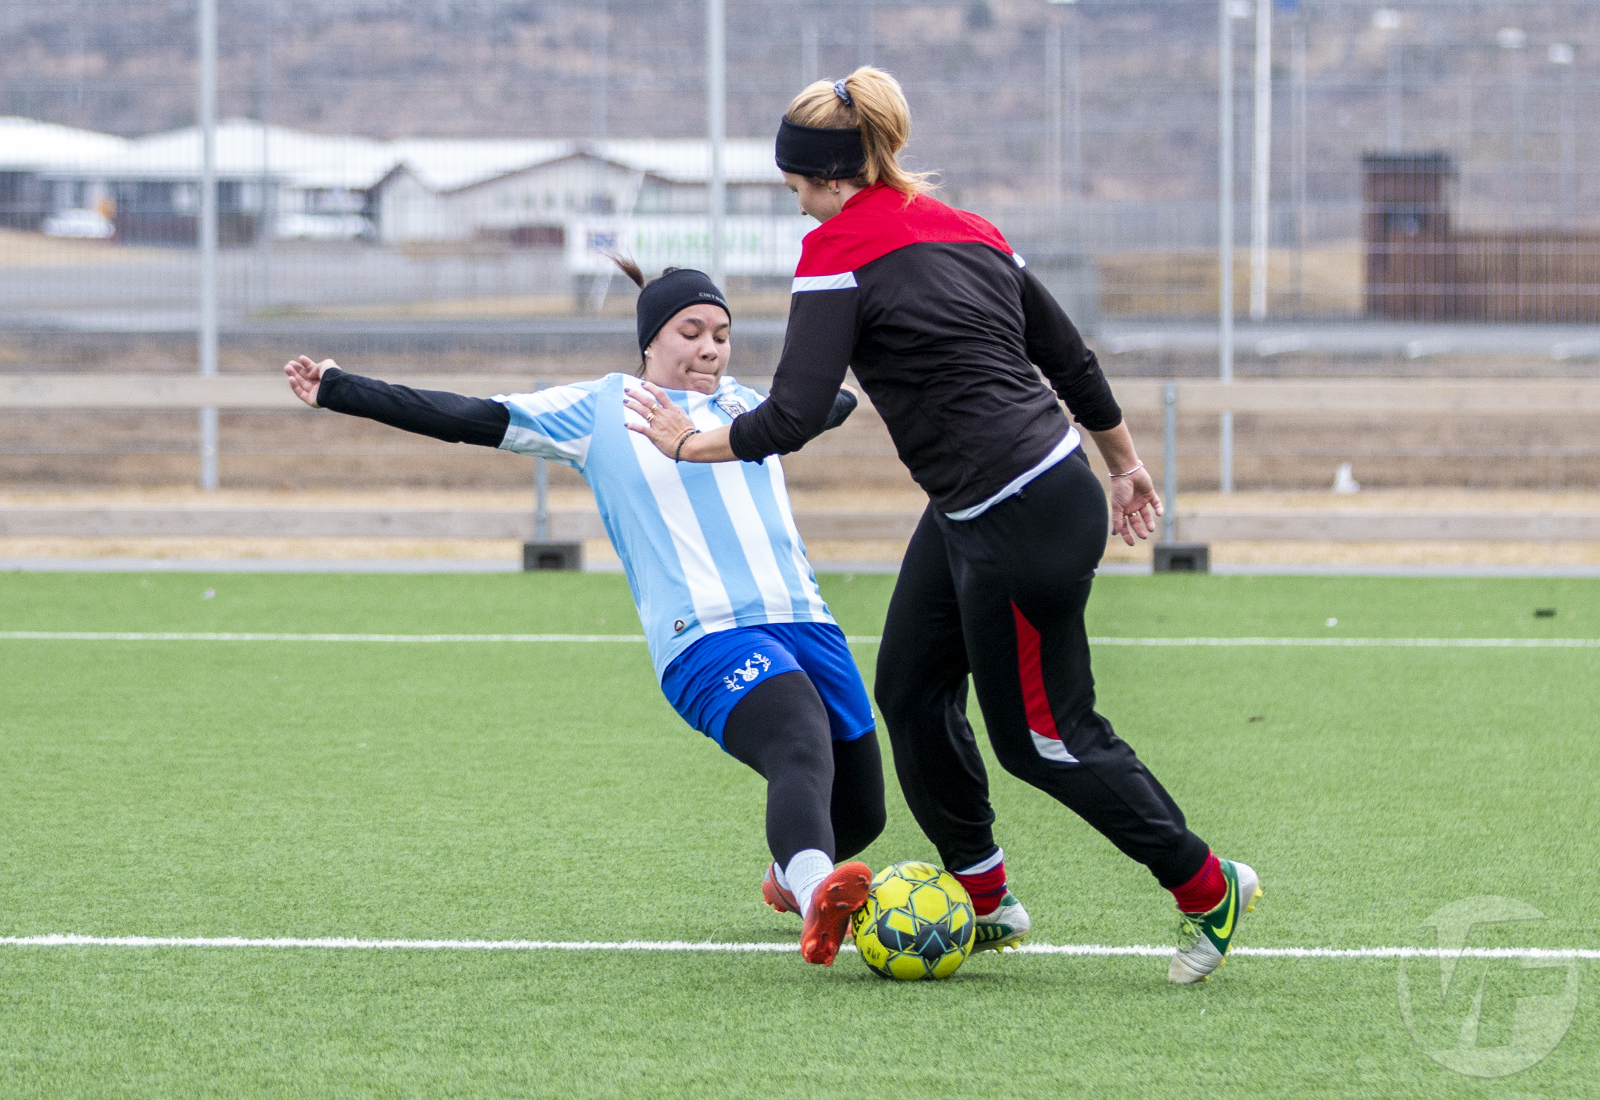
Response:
column 978, row 74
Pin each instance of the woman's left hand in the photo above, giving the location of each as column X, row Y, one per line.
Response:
column 665, row 424
column 1135, row 506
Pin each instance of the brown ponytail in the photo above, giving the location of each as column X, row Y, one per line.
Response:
column 632, row 270
column 878, row 107
column 628, row 266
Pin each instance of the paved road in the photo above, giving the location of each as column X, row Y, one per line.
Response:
column 1363, row 338
column 157, row 292
column 157, row 295
column 1414, row 341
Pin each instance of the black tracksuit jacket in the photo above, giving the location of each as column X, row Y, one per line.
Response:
column 944, row 326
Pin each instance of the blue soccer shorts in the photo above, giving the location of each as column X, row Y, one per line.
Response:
column 718, row 672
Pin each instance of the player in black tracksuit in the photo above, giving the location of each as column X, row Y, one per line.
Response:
column 944, row 327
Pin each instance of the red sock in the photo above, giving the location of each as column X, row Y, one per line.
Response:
column 1206, row 890
column 986, row 888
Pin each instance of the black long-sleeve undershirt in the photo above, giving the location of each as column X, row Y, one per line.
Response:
column 437, row 413
column 453, row 417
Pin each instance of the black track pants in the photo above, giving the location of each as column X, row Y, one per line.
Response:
column 821, row 793
column 1002, row 597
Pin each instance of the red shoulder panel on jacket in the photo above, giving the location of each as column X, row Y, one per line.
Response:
column 879, row 221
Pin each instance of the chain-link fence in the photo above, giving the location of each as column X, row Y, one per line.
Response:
column 424, row 187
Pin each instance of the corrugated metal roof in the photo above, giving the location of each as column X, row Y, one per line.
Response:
column 688, row 160
column 294, row 156
column 446, row 164
column 29, row 145
column 302, row 159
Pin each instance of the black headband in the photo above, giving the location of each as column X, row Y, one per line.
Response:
column 820, row 154
column 661, row 300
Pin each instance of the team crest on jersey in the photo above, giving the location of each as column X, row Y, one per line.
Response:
column 678, row 625
column 750, row 671
column 731, row 405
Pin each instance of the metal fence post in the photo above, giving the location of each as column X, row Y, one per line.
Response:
column 1169, row 555
column 541, row 492
column 541, row 500
column 542, row 553
column 1169, row 462
column 717, row 131
column 1225, row 229
column 208, row 234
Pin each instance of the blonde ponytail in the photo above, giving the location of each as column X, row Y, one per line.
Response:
column 878, row 108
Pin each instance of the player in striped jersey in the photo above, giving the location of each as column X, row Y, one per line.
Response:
column 743, row 645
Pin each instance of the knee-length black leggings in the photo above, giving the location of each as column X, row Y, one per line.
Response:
column 1001, row 597
column 821, row 793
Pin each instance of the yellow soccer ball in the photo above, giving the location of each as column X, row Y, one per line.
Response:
column 917, row 923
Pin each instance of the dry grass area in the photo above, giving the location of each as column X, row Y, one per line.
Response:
column 561, row 499
column 265, row 549
column 823, row 551
column 1185, row 284
column 1406, row 553
column 19, row 249
column 178, row 496
column 1395, row 500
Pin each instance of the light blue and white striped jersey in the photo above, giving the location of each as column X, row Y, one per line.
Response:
column 706, row 546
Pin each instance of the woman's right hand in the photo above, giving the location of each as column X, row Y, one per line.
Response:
column 1135, row 506
column 305, row 377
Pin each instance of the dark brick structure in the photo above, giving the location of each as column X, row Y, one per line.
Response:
column 1420, row 268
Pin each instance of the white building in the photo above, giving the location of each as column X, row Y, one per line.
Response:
column 29, row 152
column 428, row 197
column 509, row 191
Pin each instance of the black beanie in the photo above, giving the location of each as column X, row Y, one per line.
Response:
column 678, row 289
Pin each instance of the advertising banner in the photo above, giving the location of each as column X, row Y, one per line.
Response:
column 752, row 245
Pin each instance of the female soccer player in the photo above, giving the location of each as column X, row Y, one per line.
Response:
column 944, row 325
column 744, row 647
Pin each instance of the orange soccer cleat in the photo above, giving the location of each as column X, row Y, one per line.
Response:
column 832, row 906
column 776, row 896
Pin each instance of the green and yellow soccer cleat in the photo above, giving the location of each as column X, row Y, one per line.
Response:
column 1204, row 938
column 1004, row 928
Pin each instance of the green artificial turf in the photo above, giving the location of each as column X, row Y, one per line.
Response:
column 547, row 791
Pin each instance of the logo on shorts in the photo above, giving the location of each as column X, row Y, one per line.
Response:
column 678, row 625
column 742, row 676
column 731, row 405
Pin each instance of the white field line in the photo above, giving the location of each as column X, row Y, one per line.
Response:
column 854, row 639
column 130, row 636
column 1140, row 950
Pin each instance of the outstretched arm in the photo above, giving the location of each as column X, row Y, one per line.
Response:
column 436, row 413
column 816, row 354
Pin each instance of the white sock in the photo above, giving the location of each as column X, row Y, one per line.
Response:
column 805, row 873
column 983, row 865
column 779, row 877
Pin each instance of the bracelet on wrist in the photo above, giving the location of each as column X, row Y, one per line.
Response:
column 1130, row 473
column 677, row 455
